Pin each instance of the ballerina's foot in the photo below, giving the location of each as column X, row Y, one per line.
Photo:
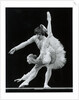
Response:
column 47, row 87
column 48, row 16
column 17, row 80
column 23, row 84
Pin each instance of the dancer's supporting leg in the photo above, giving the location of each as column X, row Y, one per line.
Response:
column 47, row 77
column 33, row 73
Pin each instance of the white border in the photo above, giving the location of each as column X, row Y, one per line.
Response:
column 37, row 96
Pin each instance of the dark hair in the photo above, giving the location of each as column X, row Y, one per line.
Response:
column 39, row 30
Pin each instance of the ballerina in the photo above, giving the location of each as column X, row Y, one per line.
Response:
column 52, row 54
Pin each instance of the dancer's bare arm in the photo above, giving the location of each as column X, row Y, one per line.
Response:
column 22, row 45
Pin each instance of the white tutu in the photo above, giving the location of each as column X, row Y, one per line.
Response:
column 57, row 53
column 60, row 59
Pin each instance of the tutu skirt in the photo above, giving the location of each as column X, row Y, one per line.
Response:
column 58, row 59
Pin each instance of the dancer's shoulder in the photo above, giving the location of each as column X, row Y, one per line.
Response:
column 34, row 37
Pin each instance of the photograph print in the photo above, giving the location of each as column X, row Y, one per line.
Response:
column 39, row 50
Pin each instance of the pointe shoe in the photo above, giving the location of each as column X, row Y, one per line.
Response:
column 48, row 16
column 23, row 84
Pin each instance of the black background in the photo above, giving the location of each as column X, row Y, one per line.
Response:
column 20, row 24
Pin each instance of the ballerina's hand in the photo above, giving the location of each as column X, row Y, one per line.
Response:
column 17, row 80
column 48, row 16
column 12, row 51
